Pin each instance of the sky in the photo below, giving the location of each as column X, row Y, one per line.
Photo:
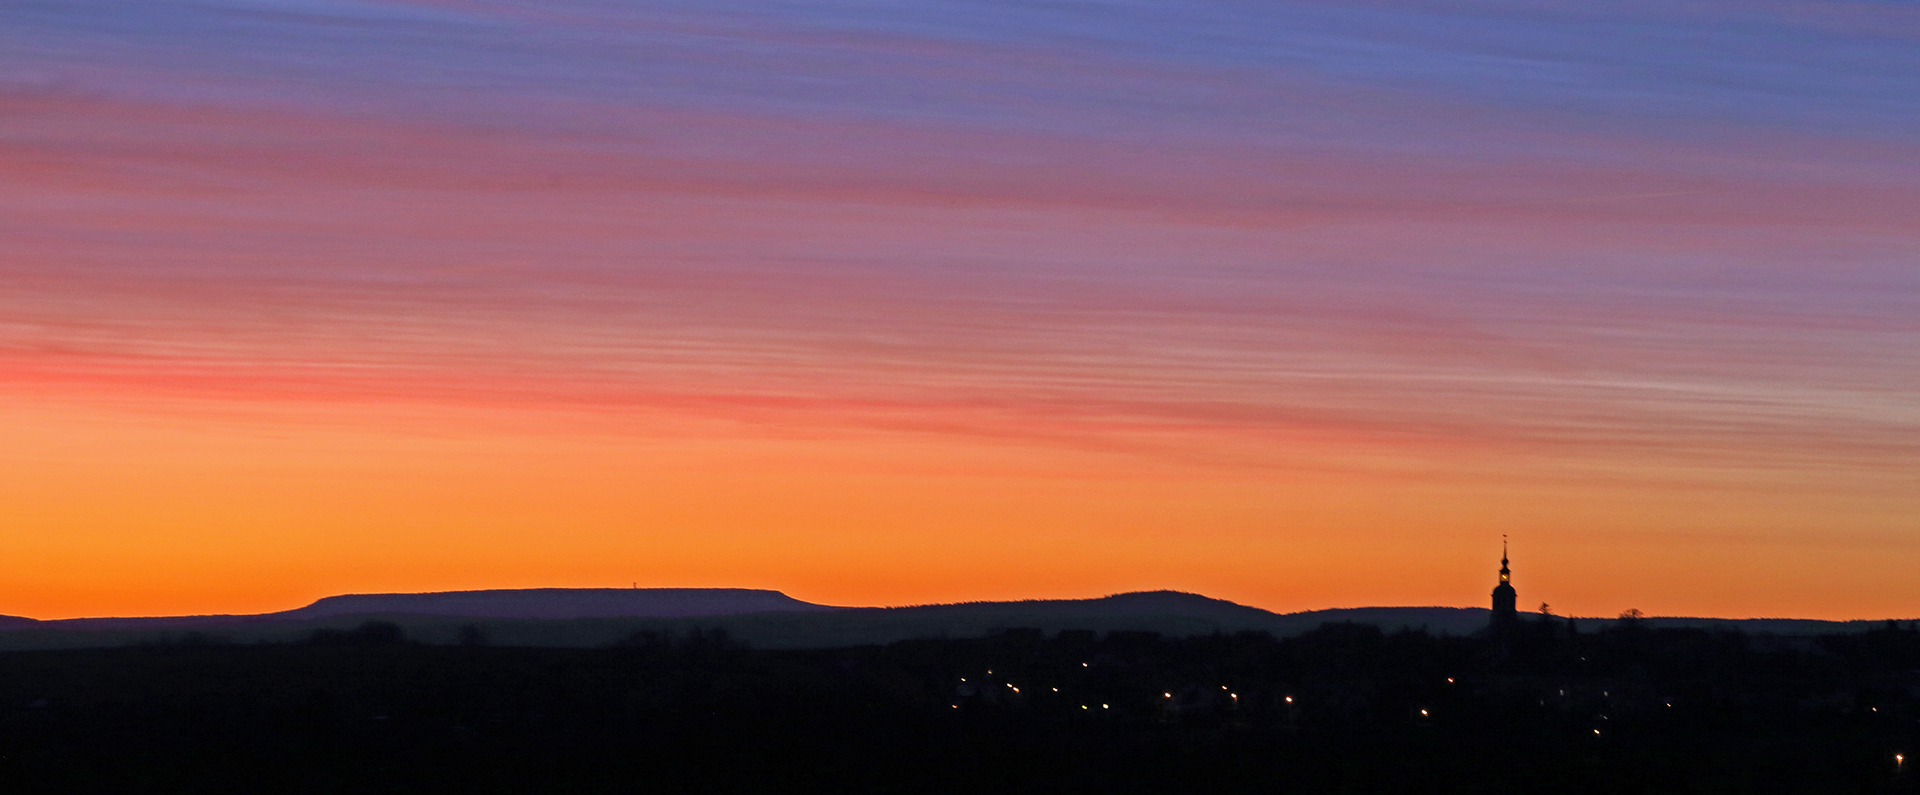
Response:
column 1297, row 303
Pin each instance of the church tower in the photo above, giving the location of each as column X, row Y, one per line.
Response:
column 1504, row 597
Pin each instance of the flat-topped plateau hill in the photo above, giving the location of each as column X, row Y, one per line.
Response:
column 562, row 603
column 596, row 617
column 525, row 603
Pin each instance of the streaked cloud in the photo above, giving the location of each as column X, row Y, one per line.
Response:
column 1500, row 243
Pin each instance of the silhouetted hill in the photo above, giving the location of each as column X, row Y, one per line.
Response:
column 561, row 603
column 1171, row 613
column 1123, row 604
column 526, row 603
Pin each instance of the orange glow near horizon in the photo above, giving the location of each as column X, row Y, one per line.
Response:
column 187, row 516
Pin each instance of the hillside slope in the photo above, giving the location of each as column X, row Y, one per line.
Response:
column 561, row 603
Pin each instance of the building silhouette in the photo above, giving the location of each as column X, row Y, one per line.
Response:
column 1504, row 597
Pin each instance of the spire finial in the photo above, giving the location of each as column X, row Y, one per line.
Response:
column 1505, row 573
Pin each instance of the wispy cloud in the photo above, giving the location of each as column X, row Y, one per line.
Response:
column 1221, row 235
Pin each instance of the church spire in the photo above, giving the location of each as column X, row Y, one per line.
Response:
column 1504, row 597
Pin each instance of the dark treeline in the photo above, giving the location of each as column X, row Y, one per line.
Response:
column 1545, row 709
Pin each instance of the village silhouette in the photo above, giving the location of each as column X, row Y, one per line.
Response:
column 1532, row 703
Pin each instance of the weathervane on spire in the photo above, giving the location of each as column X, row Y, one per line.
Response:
column 1504, row 573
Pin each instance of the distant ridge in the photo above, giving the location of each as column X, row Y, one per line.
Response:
column 1130, row 602
column 562, row 603
column 1173, row 613
column 521, row 603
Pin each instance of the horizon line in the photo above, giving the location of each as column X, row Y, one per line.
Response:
column 782, row 593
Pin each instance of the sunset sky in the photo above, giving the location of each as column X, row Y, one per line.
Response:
column 1301, row 304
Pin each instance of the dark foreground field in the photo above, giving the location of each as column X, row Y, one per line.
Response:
column 1622, row 710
